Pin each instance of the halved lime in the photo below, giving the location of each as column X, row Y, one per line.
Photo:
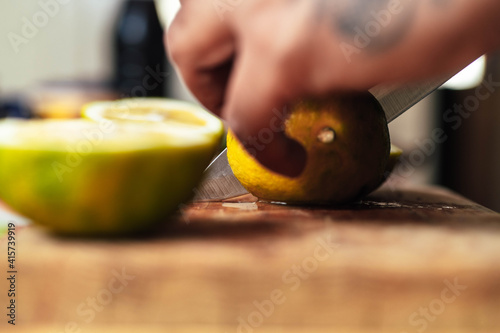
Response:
column 104, row 177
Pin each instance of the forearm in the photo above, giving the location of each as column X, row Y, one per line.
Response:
column 408, row 40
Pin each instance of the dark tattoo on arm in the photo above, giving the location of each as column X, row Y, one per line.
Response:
column 372, row 25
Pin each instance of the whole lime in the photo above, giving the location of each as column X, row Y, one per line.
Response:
column 347, row 144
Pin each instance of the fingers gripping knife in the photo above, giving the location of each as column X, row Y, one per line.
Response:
column 220, row 183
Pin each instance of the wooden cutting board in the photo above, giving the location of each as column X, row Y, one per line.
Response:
column 407, row 259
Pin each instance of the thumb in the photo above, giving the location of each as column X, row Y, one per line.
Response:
column 257, row 104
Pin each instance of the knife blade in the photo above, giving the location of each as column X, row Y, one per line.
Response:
column 396, row 99
column 220, row 183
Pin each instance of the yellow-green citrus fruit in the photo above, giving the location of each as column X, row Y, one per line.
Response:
column 170, row 112
column 393, row 161
column 82, row 177
column 174, row 114
column 347, row 143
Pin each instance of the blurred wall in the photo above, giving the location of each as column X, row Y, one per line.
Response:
column 55, row 39
column 75, row 42
column 411, row 132
column 471, row 155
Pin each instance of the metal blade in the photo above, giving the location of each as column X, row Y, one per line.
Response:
column 219, row 181
column 396, row 99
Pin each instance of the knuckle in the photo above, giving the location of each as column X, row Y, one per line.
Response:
column 175, row 43
column 178, row 39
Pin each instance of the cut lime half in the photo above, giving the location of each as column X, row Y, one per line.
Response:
column 102, row 177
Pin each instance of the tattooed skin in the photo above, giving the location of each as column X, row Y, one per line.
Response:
column 374, row 25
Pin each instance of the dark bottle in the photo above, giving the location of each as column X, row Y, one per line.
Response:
column 14, row 107
column 140, row 59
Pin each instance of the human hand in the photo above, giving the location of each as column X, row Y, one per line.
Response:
column 248, row 60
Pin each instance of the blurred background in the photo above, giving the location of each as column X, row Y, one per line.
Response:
column 58, row 54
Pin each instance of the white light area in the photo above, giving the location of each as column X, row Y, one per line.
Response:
column 167, row 9
column 7, row 217
column 469, row 77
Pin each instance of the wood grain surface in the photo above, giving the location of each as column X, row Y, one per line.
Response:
column 406, row 259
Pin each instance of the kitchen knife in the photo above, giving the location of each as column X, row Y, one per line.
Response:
column 220, row 183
